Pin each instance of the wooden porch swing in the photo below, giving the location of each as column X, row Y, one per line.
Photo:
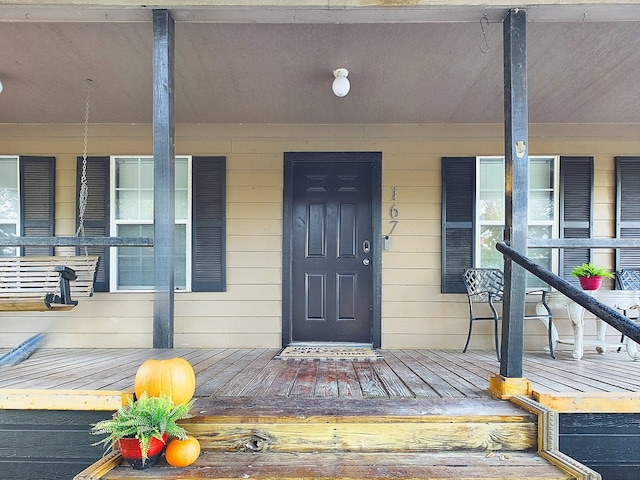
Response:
column 48, row 283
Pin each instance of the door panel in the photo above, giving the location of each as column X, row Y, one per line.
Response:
column 332, row 287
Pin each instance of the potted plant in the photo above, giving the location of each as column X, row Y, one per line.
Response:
column 590, row 276
column 142, row 427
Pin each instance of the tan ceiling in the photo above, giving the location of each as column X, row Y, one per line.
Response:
column 259, row 67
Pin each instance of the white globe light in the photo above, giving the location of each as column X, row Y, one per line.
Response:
column 341, row 84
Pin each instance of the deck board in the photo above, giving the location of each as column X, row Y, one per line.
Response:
column 327, row 383
column 256, row 373
column 356, row 466
column 281, row 386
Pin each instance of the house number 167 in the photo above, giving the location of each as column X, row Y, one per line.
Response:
column 393, row 211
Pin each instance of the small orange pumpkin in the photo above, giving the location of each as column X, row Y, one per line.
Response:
column 182, row 453
column 173, row 377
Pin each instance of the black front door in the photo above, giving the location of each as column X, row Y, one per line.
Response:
column 332, row 252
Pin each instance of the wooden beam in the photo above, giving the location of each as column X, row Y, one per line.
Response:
column 590, row 402
column 505, row 388
column 584, row 242
column 75, row 241
column 516, row 189
column 163, row 176
column 25, row 399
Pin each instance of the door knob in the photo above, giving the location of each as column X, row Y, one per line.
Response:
column 365, row 262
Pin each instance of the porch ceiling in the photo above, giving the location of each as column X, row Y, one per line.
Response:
column 274, row 65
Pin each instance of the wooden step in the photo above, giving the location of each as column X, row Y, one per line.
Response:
column 344, row 466
column 329, row 439
column 321, row 425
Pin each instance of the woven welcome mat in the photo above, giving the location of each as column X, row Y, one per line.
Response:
column 329, row 352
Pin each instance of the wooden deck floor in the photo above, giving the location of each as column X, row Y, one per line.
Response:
column 255, row 373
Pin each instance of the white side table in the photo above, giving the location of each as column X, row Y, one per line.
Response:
column 620, row 299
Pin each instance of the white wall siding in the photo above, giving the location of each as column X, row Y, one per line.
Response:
column 414, row 312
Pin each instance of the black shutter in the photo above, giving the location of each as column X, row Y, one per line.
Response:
column 37, row 201
column 627, row 170
column 576, row 210
column 96, row 215
column 458, row 211
column 209, row 224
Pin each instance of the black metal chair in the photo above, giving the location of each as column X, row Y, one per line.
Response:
column 486, row 286
column 627, row 279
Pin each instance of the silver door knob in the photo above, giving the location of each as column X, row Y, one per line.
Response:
column 365, row 262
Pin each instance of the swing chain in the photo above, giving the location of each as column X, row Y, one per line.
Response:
column 84, row 189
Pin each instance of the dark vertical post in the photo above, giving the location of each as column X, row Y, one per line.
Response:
column 516, row 188
column 163, row 177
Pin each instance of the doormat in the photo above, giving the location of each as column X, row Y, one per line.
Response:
column 323, row 352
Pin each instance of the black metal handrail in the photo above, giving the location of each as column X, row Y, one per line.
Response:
column 600, row 310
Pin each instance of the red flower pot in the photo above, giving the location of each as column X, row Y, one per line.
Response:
column 590, row 283
column 132, row 453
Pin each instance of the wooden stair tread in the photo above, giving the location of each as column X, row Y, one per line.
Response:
column 321, row 425
column 345, row 466
column 347, row 410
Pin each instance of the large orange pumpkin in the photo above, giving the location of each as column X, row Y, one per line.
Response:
column 181, row 453
column 174, row 377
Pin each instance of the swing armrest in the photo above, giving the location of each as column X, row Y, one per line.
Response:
column 65, row 272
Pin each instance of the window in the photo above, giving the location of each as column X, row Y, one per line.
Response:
column 542, row 219
column 27, row 187
column 627, row 171
column 473, row 212
column 132, row 216
column 120, row 203
column 9, row 201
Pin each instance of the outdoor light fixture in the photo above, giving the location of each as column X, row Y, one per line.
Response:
column 1, row 87
column 341, row 83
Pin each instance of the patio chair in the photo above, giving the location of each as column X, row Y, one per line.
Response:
column 627, row 279
column 486, row 286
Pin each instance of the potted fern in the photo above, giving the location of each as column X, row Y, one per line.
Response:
column 590, row 276
column 142, row 427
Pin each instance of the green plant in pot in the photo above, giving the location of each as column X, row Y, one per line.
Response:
column 590, row 276
column 142, row 427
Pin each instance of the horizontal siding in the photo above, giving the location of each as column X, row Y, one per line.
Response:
column 607, row 443
column 415, row 313
column 47, row 445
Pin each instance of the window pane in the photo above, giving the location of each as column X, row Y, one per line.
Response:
column 9, row 197
column 136, row 264
column 489, row 256
column 182, row 188
column 126, row 203
column 8, row 173
column 541, row 174
column 491, row 195
column 8, row 230
column 541, row 256
column 180, row 266
column 127, row 173
column 9, row 202
column 146, row 205
column 146, row 173
column 541, row 205
column 491, row 205
column 541, row 195
column 182, row 204
column 182, row 173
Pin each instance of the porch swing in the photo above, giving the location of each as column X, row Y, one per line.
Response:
column 44, row 283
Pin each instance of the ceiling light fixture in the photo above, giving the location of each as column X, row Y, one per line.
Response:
column 341, row 83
